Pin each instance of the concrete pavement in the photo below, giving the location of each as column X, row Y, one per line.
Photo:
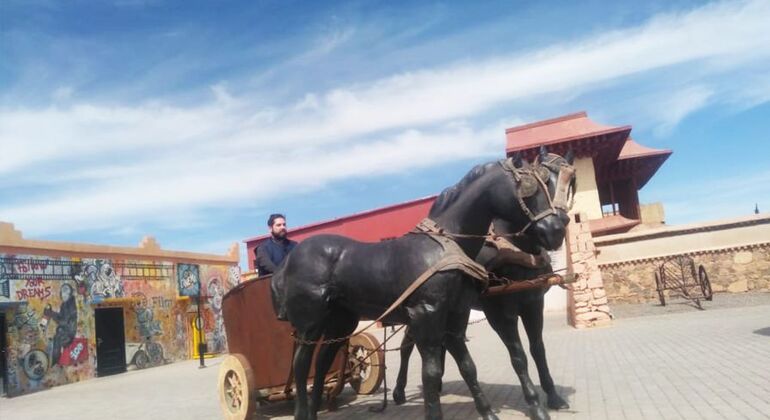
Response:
column 681, row 365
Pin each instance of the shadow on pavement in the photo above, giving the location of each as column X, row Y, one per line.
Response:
column 763, row 331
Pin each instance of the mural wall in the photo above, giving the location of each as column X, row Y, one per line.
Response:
column 50, row 303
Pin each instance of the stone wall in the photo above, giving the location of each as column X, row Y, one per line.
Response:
column 587, row 299
column 734, row 270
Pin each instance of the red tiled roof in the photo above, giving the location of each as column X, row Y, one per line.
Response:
column 638, row 161
column 633, row 149
column 574, row 130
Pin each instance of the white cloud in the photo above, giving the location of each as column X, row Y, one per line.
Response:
column 167, row 189
column 163, row 162
column 675, row 106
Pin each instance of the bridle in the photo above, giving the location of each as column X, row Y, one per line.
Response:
column 524, row 175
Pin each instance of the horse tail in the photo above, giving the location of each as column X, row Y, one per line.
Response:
column 278, row 293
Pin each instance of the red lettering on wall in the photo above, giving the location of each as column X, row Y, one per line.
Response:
column 34, row 289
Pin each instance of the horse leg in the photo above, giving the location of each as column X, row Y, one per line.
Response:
column 407, row 346
column 302, row 359
column 339, row 325
column 504, row 320
column 425, row 328
column 532, row 318
column 455, row 344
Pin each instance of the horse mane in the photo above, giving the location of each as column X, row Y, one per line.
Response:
column 450, row 194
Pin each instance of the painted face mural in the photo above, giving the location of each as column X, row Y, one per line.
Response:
column 187, row 278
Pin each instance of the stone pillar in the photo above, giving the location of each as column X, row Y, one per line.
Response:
column 586, row 299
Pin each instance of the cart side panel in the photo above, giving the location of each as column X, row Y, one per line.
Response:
column 253, row 330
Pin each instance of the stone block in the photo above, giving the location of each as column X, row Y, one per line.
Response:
column 744, row 257
column 600, row 301
column 582, row 310
column 586, row 316
column 581, row 297
column 738, row 286
column 599, row 293
column 595, row 280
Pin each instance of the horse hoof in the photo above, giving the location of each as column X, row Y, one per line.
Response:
column 556, row 402
column 537, row 412
column 490, row 416
column 398, row 396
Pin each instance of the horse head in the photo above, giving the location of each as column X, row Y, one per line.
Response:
column 542, row 191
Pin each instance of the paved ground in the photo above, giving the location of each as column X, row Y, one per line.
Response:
column 688, row 364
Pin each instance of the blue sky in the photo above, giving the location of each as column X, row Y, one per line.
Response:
column 192, row 121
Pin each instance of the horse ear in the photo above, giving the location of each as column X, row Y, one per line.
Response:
column 570, row 156
column 517, row 161
column 543, row 153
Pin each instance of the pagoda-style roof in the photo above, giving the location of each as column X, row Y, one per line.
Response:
column 576, row 131
column 636, row 161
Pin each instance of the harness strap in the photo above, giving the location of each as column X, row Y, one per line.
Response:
column 508, row 253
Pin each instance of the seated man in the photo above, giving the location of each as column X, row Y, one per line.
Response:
column 272, row 252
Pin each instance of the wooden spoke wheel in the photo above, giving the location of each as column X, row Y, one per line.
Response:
column 705, row 284
column 236, row 388
column 659, row 285
column 366, row 373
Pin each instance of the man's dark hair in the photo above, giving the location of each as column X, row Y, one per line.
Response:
column 271, row 219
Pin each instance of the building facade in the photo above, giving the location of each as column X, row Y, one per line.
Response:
column 71, row 312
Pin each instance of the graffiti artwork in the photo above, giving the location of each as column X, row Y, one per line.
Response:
column 66, row 319
column 35, row 364
column 5, row 280
column 145, row 318
column 145, row 354
column 51, row 331
column 188, row 276
column 100, row 279
column 33, row 289
column 233, row 276
column 216, row 293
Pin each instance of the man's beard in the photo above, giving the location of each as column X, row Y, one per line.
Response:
column 279, row 235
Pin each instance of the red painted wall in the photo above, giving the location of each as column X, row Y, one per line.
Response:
column 369, row 226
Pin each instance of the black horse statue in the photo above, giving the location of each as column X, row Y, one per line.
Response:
column 504, row 311
column 328, row 283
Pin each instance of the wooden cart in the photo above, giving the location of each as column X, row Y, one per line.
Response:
column 259, row 367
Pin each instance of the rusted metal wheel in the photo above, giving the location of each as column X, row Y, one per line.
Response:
column 236, row 388
column 659, row 285
column 366, row 374
column 705, row 283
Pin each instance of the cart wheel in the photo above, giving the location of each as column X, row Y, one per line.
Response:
column 705, row 283
column 365, row 374
column 236, row 388
column 659, row 285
